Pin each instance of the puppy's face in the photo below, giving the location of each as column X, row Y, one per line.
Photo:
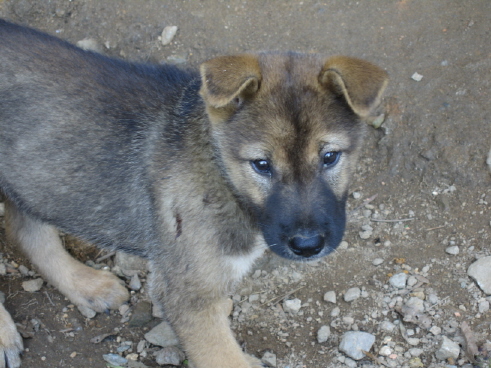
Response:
column 288, row 142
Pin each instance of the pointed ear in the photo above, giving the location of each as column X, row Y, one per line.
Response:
column 361, row 83
column 229, row 79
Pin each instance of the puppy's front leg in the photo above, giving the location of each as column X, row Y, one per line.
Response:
column 10, row 341
column 200, row 319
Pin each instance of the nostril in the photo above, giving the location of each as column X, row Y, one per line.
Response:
column 306, row 246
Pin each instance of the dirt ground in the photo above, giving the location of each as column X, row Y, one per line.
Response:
column 427, row 163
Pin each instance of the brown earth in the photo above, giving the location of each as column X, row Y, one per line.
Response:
column 437, row 135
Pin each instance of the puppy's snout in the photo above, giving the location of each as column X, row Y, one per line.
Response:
column 307, row 244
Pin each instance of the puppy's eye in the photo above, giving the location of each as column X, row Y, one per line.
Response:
column 331, row 158
column 261, row 166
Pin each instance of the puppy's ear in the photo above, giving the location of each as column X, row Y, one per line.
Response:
column 227, row 81
column 360, row 83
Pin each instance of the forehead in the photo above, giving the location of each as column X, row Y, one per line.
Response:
column 291, row 109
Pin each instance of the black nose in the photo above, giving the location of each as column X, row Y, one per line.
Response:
column 306, row 245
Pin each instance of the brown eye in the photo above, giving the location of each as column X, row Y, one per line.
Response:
column 261, row 166
column 331, row 158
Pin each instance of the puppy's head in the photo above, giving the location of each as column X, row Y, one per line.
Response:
column 287, row 129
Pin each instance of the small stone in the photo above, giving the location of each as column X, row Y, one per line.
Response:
column 411, row 281
column 323, row 334
column 417, row 77
column 352, row 294
column 32, row 285
column 129, row 263
column 385, row 350
column 387, row 326
column 435, row 330
column 23, row 270
column 141, row 346
column 2, row 297
column 86, row 311
column 356, row 195
column 168, row 35
column 3, row 269
column 377, row 261
column 269, row 359
column 416, row 363
column 132, row 356
column 142, row 314
column 481, row 272
column 162, row 335
column 89, row 44
column 354, row 343
column 365, row 234
column 415, row 352
column 115, row 359
column 453, row 250
column 135, row 283
column 335, row 312
column 343, row 245
column 292, row 305
column 330, row 297
column 483, row 306
column 170, row 356
column 448, row 349
column 398, row 280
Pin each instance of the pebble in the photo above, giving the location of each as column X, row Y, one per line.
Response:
column 435, row 330
column 335, row 312
column 481, row 272
column 448, row 349
column 453, row 250
column 162, row 335
column 3, row 269
column 170, row 356
column 135, row 283
column 353, row 342
column 23, row 270
column 115, row 359
column 168, row 35
column 89, row 44
column 352, row 294
column 483, row 306
column 385, row 350
column 142, row 314
column 387, row 326
column 292, row 305
column 377, row 261
column 330, row 297
column 416, row 77
column 323, row 334
column 129, row 263
column 269, row 359
column 2, row 297
column 398, row 280
column 32, row 285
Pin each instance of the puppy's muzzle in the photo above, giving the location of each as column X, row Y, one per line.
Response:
column 307, row 244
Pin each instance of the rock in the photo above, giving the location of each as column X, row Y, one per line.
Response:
column 135, row 283
column 377, row 261
column 330, row 297
column 23, row 270
column 483, row 306
column 129, row 263
column 385, row 351
column 115, row 359
column 435, row 330
column 336, row 311
column 323, row 334
column 269, row 359
column 3, row 269
column 416, row 77
column 142, row 314
column 481, row 272
column 2, row 297
column 32, row 285
column 162, row 335
column 168, row 35
column 292, row 305
column 398, row 280
column 416, row 363
column 448, row 349
column 170, row 356
column 86, row 311
column 387, row 326
column 89, row 44
column 354, row 343
column 453, row 250
column 352, row 294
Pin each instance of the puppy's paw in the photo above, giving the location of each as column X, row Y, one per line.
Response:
column 10, row 341
column 95, row 289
